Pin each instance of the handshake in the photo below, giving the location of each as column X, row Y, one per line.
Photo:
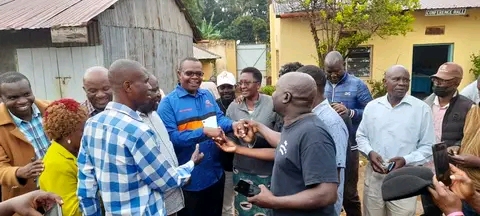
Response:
column 243, row 129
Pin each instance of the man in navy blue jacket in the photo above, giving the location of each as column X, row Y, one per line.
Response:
column 348, row 95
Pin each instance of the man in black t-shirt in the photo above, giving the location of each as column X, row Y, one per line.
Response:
column 304, row 178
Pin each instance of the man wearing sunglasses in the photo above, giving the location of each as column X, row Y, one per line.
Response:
column 449, row 111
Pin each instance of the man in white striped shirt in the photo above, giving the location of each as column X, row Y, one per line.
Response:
column 173, row 198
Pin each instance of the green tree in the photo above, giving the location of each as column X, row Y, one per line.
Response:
column 209, row 30
column 247, row 29
column 343, row 24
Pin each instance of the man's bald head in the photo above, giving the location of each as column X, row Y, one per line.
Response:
column 332, row 58
column 97, row 87
column 95, row 73
column 122, row 70
column 300, row 86
column 397, row 82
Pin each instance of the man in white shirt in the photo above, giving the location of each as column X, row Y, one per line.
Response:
column 471, row 91
column 395, row 128
column 174, row 201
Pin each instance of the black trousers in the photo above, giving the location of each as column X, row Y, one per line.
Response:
column 351, row 200
column 208, row 202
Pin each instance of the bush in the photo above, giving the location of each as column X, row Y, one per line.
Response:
column 475, row 70
column 268, row 90
column 377, row 88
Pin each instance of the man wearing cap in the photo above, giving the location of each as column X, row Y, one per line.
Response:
column 226, row 89
column 449, row 111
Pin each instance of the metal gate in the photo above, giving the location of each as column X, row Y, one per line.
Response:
column 252, row 55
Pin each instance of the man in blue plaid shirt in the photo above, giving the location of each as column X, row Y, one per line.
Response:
column 120, row 155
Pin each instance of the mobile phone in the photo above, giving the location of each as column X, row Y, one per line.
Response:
column 56, row 210
column 441, row 162
column 246, row 189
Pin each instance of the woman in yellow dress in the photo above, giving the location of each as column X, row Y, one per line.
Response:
column 63, row 123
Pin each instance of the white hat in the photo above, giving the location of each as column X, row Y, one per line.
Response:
column 226, row 78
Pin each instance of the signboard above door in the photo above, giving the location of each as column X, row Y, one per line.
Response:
column 69, row 35
column 446, row 12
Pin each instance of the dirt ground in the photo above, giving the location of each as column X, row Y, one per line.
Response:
column 361, row 172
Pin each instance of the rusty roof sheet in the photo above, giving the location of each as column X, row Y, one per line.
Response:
column 290, row 6
column 34, row 14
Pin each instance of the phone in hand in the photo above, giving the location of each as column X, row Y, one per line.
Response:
column 246, row 189
column 389, row 166
column 56, row 210
column 441, row 162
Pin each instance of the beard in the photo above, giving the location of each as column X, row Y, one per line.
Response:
column 148, row 108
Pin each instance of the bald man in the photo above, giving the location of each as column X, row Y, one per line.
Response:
column 395, row 128
column 97, row 88
column 449, row 110
column 348, row 96
column 304, row 179
column 120, row 155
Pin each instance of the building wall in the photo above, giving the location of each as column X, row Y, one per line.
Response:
column 227, row 49
column 295, row 43
column 208, row 68
column 153, row 32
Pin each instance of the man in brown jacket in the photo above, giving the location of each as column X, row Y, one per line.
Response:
column 23, row 142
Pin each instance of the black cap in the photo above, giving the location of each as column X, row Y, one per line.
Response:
column 406, row 182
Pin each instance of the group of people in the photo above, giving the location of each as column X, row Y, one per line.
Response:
column 130, row 150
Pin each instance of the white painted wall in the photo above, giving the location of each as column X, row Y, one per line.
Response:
column 57, row 72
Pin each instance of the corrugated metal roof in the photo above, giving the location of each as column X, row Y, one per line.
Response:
column 291, row 6
column 34, row 14
column 203, row 54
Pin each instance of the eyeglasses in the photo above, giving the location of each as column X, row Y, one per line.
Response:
column 246, row 83
column 192, row 73
column 438, row 81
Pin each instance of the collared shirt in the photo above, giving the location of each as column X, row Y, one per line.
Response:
column 353, row 93
column 120, row 157
column 174, row 197
column 60, row 177
column 405, row 130
column 438, row 115
column 184, row 115
column 91, row 110
column 33, row 131
column 336, row 128
column 471, row 92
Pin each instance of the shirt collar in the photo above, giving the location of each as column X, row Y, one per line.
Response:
column 320, row 105
column 436, row 102
column 243, row 105
column 182, row 92
column 123, row 109
column 91, row 110
column 35, row 114
column 59, row 149
column 408, row 99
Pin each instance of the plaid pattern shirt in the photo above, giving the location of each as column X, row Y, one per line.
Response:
column 33, row 131
column 90, row 109
column 119, row 157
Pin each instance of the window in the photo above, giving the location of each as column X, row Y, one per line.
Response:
column 358, row 61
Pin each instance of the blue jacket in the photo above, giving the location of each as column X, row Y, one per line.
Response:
column 353, row 93
column 183, row 114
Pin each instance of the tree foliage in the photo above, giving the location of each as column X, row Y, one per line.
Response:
column 343, row 24
column 249, row 15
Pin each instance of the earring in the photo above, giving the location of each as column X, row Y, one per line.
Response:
column 69, row 141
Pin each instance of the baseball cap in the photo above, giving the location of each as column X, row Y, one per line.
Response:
column 226, row 77
column 449, row 71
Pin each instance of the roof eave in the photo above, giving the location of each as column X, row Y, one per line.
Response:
column 197, row 35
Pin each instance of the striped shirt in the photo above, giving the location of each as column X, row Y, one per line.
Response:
column 33, row 131
column 119, row 157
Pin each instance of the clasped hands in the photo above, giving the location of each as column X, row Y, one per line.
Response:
column 243, row 129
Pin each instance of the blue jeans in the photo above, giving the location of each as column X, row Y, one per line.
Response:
column 468, row 210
